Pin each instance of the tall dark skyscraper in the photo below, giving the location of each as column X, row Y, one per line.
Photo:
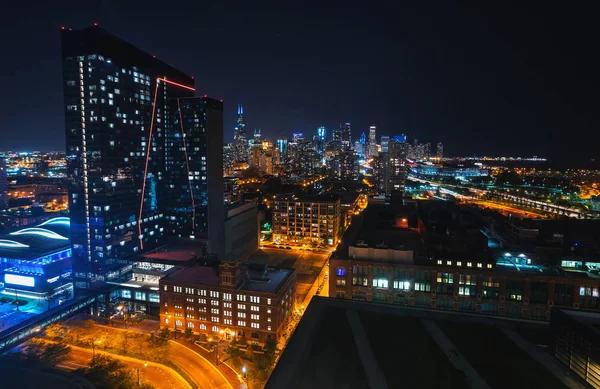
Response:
column 3, row 185
column 193, row 173
column 116, row 116
column 346, row 131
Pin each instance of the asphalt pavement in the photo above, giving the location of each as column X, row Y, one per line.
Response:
column 154, row 374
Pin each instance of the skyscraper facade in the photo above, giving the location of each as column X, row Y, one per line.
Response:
column 385, row 141
column 240, row 137
column 192, row 169
column 347, row 134
column 395, row 175
column 116, row 116
column 440, row 150
column 372, row 143
column 320, row 140
column 3, row 185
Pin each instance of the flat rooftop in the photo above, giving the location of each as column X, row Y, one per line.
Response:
column 350, row 344
column 379, row 226
column 179, row 251
column 267, row 281
column 198, row 275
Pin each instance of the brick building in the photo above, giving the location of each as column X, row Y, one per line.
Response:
column 300, row 219
column 229, row 298
column 386, row 261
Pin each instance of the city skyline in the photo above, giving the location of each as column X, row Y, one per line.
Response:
column 450, row 82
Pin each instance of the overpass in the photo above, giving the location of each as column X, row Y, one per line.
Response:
column 21, row 332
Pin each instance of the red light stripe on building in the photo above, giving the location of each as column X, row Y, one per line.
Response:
column 187, row 164
column 146, row 168
column 177, row 84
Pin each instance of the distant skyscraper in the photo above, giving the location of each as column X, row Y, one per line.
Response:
column 372, row 143
column 337, row 135
column 117, row 101
column 395, row 176
column 194, row 176
column 297, row 137
column 361, row 145
column 385, row 140
column 320, row 140
column 3, row 185
column 240, row 137
column 400, row 138
column 228, row 159
column 347, row 133
column 440, row 150
column 282, row 146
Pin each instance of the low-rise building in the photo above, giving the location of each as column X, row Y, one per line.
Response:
column 229, row 298
column 302, row 219
column 387, row 261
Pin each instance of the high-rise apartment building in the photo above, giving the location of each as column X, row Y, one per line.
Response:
column 395, row 174
column 347, row 134
column 139, row 153
column 3, row 185
column 193, row 177
column 240, row 137
column 440, row 150
column 303, row 219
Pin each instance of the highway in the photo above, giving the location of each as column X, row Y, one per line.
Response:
column 506, row 209
column 154, row 374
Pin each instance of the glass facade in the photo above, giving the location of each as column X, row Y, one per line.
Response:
column 116, row 105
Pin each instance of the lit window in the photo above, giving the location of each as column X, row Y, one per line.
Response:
column 255, row 299
column 254, row 308
column 268, row 301
column 255, row 325
column 268, row 328
column 215, row 329
column 241, row 323
column 340, row 271
column 255, row 317
column 202, row 326
column 190, row 324
column 201, row 292
column 489, row 265
column 241, row 315
column 439, row 261
column 458, row 263
column 469, row 264
column 380, row 282
column 214, row 294
column 241, row 306
column 479, row 265
column 449, row 263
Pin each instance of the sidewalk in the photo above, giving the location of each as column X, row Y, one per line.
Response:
column 544, row 359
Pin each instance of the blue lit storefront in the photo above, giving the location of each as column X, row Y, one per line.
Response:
column 35, row 262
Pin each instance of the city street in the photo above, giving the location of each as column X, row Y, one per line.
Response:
column 154, row 374
column 201, row 370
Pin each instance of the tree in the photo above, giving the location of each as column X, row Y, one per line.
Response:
column 188, row 333
column 56, row 331
column 233, row 350
column 108, row 373
column 46, row 354
column 163, row 335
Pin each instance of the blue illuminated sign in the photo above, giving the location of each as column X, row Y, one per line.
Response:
column 39, row 232
column 19, row 280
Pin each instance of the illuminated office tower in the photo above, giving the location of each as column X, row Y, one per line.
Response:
column 372, row 148
column 395, row 175
column 116, row 100
column 240, row 137
column 193, row 172
column 320, row 140
column 385, row 141
column 347, row 135
column 3, row 185
column 337, row 135
column 282, row 146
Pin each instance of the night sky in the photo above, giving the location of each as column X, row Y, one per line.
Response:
column 501, row 81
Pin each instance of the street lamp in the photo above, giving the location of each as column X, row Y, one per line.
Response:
column 94, row 348
column 244, row 371
column 138, row 371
